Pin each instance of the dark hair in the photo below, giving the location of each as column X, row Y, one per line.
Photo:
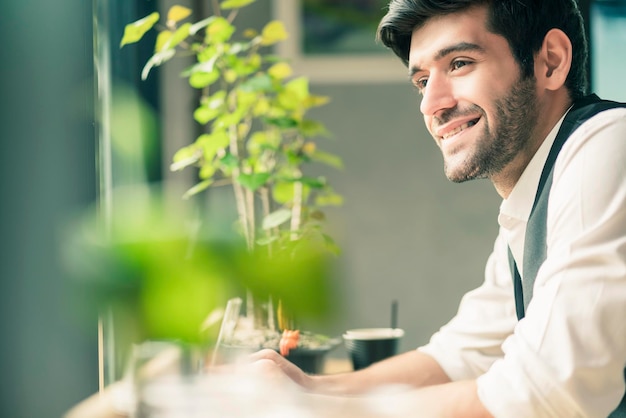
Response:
column 523, row 23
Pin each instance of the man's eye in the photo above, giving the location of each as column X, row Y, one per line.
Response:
column 421, row 84
column 459, row 64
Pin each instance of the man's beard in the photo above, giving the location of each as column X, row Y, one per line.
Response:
column 516, row 115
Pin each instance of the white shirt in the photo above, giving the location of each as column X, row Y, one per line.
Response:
column 566, row 358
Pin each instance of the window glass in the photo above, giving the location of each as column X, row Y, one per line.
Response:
column 608, row 49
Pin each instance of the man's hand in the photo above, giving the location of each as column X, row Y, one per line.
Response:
column 274, row 365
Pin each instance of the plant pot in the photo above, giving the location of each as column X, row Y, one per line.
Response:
column 310, row 360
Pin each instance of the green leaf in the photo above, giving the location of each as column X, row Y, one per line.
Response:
column 327, row 158
column 316, row 101
column 201, row 80
column 212, row 143
column 133, row 32
column 180, row 35
column 314, row 182
column 204, row 114
column 201, row 24
column 253, row 181
column 284, row 122
column 201, row 67
column 162, row 39
column 229, row 161
column 283, row 192
column 177, row 13
column 299, row 86
column 310, row 128
column 280, row 70
column 276, row 218
column 206, row 171
column 235, row 4
column 331, row 245
column 260, row 82
column 273, row 32
column 329, row 199
column 185, row 157
column 203, row 185
column 156, row 60
column 219, row 31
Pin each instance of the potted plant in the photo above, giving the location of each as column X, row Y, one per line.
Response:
column 257, row 138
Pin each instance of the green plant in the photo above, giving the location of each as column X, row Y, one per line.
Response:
column 257, row 134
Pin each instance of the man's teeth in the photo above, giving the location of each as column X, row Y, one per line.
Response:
column 460, row 128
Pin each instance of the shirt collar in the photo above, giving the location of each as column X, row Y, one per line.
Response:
column 518, row 205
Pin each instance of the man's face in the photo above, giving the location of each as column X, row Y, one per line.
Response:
column 475, row 104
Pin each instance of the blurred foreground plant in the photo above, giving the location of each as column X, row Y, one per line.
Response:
column 163, row 282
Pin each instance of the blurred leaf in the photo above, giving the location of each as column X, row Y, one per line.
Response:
column 156, row 60
column 299, row 87
column 329, row 199
column 331, row 245
column 133, row 32
column 253, row 181
column 207, row 170
column 229, row 161
column 276, row 218
column 316, row 101
column 180, row 35
column 283, row 191
column 310, row 128
column 260, row 82
column 283, row 123
column 200, row 24
column 280, row 70
column 219, row 30
column 177, row 13
column 203, row 185
column 327, row 158
column 212, row 143
column 273, row 32
column 204, row 115
column 161, row 40
column 314, row 182
column 201, row 80
column 185, row 157
column 207, row 66
column 235, row 4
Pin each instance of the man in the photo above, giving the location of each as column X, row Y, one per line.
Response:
column 545, row 334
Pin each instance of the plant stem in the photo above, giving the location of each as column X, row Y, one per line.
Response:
column 265, row 206
column 296, row 210
column 238, row 189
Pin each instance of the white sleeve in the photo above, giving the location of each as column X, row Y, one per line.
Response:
column 467, row 346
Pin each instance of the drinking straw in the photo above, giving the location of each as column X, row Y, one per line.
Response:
column 394, row 314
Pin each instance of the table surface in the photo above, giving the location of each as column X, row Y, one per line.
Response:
column 101, row 405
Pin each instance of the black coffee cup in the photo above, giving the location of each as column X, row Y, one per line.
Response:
column 369, row 345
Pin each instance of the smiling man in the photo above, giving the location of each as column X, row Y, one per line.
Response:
column 505, row 97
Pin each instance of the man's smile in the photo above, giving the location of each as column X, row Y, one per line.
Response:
column 449, row 130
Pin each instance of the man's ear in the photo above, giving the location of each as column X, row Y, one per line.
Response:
column 554, row 59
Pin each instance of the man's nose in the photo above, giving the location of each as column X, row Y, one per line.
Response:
column 437, row 96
